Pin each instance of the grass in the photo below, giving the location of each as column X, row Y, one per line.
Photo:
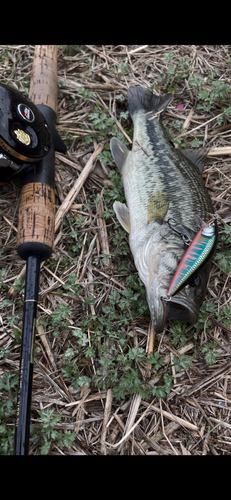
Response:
column 91, row 365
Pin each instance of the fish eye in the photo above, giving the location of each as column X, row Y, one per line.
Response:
column 194, row 282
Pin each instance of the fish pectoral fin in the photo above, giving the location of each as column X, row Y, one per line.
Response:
column 157, row 207
column 119, row 152
column 122, row 214
column 197, row 157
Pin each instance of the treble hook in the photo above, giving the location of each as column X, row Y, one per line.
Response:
column 166, row 298
column 167, row 222
column 212, row 221
column 185, row 238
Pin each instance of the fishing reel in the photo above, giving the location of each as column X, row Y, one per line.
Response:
column 25, row 137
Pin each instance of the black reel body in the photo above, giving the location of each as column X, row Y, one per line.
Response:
column 24, row 134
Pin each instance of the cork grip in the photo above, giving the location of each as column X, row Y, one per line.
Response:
column 36, row 215
column 43, row 86
column 37, row 203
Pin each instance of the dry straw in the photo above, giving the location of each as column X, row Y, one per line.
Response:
column 194, row 418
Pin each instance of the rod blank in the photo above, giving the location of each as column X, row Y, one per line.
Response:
column 27, row 355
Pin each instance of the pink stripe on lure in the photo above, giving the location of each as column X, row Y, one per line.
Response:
column 195, row 255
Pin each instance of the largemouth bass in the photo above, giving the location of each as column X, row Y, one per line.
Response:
column 161, row 183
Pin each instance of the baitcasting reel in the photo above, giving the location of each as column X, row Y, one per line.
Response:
column 24, row 134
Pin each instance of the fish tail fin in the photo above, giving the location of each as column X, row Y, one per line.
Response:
column 140, row 98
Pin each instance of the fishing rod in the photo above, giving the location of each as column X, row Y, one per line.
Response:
column 36, row 212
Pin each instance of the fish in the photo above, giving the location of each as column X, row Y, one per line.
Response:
column 161, row 183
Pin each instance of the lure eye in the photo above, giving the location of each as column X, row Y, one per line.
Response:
column 208, row 231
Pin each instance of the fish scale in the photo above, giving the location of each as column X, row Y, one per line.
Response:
column 164, row 171
column 184, row 184
column 160, row 183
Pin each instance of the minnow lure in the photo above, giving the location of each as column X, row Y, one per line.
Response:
column 198, row 250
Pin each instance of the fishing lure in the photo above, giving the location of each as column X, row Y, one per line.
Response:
column 197, row 252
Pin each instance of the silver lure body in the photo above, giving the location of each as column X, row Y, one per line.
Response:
column 160, row 182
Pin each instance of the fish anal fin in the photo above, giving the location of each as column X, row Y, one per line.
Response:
column 119, row 152
column 157, row 207
column 122, row 214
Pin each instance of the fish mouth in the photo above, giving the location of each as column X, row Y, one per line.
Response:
column 157, row 307
column 182, row 307
column 158, row 316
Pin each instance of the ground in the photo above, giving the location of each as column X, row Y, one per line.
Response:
column 103, row 383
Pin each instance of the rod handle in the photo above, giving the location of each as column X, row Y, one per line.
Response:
column 36, row 220
column 37, row 203
column 43, row 84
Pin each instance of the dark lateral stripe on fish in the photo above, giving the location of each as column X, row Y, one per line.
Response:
column 193, row 178
column 163, row 155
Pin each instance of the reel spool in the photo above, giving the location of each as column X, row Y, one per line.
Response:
column 24, row 134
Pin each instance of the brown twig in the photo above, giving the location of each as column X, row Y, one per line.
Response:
column 70, row 198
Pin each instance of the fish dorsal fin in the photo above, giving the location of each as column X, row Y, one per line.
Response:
column 157, row 206
column 140, row 98
column 119, row 152
column 197, row 157
column 122, row 214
